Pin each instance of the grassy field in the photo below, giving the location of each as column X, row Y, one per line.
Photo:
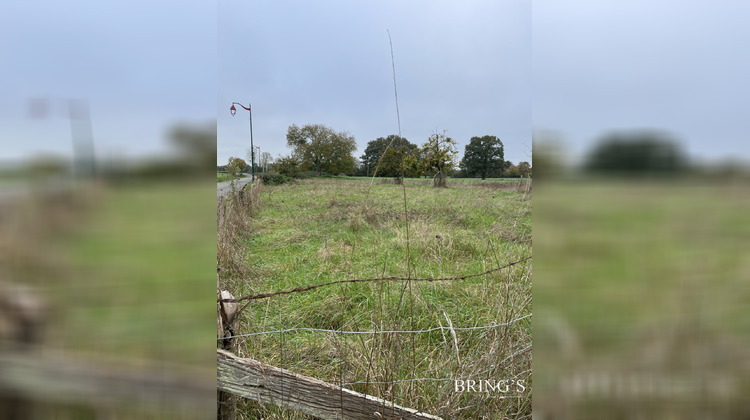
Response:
column 124, row 274
column 222, row 177
column 322, row 230
column 131, row 274
column 420, row 179
column 511, row 180
column 643, row 279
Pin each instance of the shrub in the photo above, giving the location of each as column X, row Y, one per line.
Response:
column 275, row 179
column 288, row 166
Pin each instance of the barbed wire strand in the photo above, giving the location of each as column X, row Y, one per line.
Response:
column 316, row 286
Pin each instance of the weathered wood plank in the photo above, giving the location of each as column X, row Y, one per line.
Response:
column 50, row 378
column 272, row 385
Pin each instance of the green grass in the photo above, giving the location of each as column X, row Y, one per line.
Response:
column 125, row 276
column 139, row 271
column 222, row 177
column 642, row 277
column 516, row 180
column 322, row 230
column 635, row 252
column 422, row 178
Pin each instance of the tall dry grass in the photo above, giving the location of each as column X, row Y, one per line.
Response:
column 234, row 221
column 234, row 214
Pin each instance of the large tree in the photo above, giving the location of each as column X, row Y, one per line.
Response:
column 524, row 169
column 235, row 166
column 548, row 154
column 286, row 165
column 321, row 148
column 636, row 152
column 438, row 154
column 484, row 156
column 389, row 155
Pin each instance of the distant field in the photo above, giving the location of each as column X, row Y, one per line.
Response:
column 423, row 178
column 637, row 280
column 634, row 252
column 489, row 179
column 138, row 270
column 322, row 230
column 420, row 180
column 222, row 177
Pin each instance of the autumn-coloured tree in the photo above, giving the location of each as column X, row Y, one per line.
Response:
column 438, row 155
column 321, row 148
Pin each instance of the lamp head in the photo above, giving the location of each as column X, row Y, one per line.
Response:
column 233, row 110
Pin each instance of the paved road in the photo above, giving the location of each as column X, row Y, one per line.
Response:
column 223, row 188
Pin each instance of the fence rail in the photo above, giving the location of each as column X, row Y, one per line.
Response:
column 272, row 385
column 51, row 378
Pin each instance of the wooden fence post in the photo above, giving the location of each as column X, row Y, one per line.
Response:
column 22, row 317
column 225, row 312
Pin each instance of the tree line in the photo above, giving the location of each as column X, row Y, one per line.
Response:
column 321, row 149
column 631, row 154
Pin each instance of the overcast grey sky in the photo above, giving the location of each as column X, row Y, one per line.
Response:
column 142, row 66
column 464, row 67
column 677, row 66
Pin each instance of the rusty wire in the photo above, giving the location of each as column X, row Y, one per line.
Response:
column 316, row 286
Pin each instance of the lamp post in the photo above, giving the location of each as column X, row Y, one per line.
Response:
column 260, row 163
column 84, row 164
column 233, row 111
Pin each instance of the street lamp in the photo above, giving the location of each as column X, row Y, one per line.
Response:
column 84, row 164
column 233, row 111
column 260, row 163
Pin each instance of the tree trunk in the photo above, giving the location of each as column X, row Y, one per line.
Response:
column 439, row 180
